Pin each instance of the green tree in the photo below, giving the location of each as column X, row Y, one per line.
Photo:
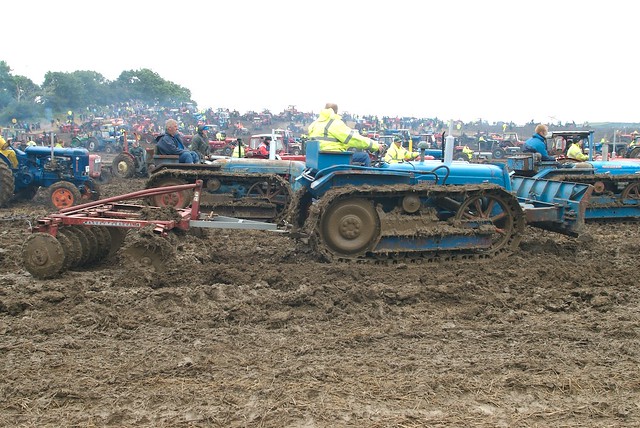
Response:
column 95, row 87
column 25, row 90
column 6, row 85
column 64, row 91
column 148, row 86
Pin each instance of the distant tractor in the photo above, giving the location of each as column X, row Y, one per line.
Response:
column 68, row 174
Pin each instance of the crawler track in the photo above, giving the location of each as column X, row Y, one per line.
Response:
column 252, row 196
column 357, row 224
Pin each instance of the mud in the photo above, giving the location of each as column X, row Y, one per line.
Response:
column 247, row 328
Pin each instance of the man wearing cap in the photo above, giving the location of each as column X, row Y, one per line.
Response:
column 200, row 142
column 397, row 153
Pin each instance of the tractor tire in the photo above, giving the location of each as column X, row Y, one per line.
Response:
column 63, row 194
column 635, row 152
column 123, row 166
column 227, row 151
column 498, row 153
column 7, row 183
column 91, row 191
column 109, row 149
column 92, row 144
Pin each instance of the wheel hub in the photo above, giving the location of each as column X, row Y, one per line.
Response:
column 350, row 227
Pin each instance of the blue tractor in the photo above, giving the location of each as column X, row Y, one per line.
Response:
column 616, row 183
column 68, row 174
column 423, row 209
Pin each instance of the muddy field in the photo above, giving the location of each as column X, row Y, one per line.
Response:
column 248, row 329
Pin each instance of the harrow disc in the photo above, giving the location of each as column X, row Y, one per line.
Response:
column 43, row 255
column 117, row 239
column 104, row 242
column 72, row 247
column 84, row 244
column 148, row 253
column 92, row 247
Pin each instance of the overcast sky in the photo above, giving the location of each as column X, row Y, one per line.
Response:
column 495, row 60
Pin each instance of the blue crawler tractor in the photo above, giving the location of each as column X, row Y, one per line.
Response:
column 616, row 183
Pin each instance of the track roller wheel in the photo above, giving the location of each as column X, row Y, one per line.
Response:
column 63, row 194
column 72, row 247
column 350, row 227
column 123, row 165
column 175, row 199
column 276, row 191
column 43, row 255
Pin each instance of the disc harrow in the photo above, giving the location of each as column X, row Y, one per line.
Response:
column 85, row 235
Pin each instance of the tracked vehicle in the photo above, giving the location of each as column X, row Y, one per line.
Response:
column 616, row 183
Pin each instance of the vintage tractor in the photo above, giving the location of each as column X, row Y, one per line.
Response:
column 69, row 174
column 616, row 183
column 131, row 161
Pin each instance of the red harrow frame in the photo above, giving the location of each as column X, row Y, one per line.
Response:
column 84, row 235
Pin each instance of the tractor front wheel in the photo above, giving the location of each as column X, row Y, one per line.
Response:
column 63, row 194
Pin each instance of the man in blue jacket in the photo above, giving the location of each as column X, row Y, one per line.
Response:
column 170, row 143
column 538, row 143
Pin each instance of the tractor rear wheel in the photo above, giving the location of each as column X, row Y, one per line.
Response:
column 7, row 183
column 63, row 194
column 123, row 166
column 635, row 152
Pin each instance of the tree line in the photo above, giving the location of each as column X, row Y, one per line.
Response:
column 24, row 100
